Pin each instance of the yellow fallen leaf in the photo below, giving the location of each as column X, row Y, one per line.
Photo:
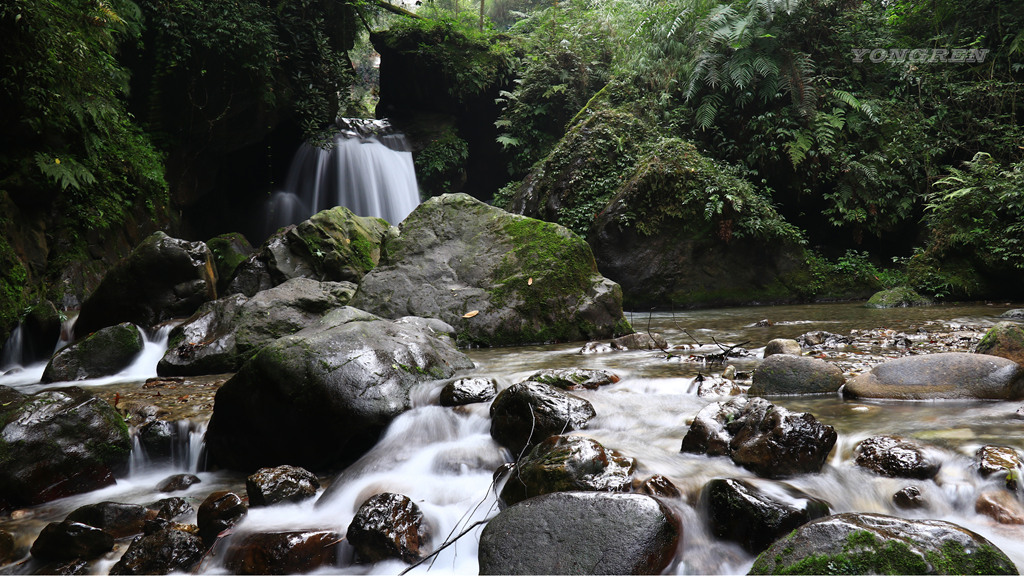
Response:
column 529, row 282
column 471, row 313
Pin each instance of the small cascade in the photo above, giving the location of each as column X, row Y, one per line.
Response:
column 369, row 170
column 13, row 352
column 181, row 451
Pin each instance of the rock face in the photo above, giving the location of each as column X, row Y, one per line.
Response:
column 527, row 413
column 333, row 245
column 581, row 533
column 283, row 552
column 162, row 278
column 574, row 378
column 223, row 334
column 897, row 457
column 1005, row 339
column 757, row 514
column 389, row 526
column 468, row 391
column 57, row 443
column 788, row 374
column 162, row 552
column 770, row 441
column 782, row 346
column 902, row 297
column 566, row 464
column 877, row 544
column 281, row 484
column 69, row 540
column 103, row 353
column 324, row 395
column 498, row 278
column 952, row 375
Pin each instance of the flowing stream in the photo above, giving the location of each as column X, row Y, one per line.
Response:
column 444, row 458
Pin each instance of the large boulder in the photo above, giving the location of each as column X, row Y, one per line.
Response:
column 162, row 278
column 568, row 464
column 1005, row 339
column 323, row 395
column 788, row 374
column 297, row 552
column 527, row 413
column 389, row 526
column 166, row 551
column 334, row 245
column 757, row 513
column 901, row 297
column 877, row 544
column 581, row 533
column 498, row 278
column 223, row 334
column 57, row 443
column 103, row 353
column 952, row 375
column 897, row 457
column 768, row 440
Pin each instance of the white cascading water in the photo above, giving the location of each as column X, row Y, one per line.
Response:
column 367, row 170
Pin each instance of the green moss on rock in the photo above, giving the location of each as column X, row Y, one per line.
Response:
column 901, row 297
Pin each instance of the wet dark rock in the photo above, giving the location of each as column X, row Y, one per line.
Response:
column 823, row 339
column 162, row 278
column 468, row 391
column 170, row 508
column 581, row 533
column 527, row 413
column 909, row 498
column 63, row 568
column 1013, row 313
column 574, row 378
column 334, row 245
column 297, row 552
column 269, row 486
column 177, row 482
column 879, row 544
column 897, row 457
column 782, row 346
column 788, row 374
column 103, row 353
column 952, row 375
column 901, row 297
column 323, row 396
column 162, row 552
column 6, row 547
column 221, row 510
column 224, row 333
column 1005, row 339
column 229, row 250
column 768, row 440
column 69, row 540
column 57, row 443
column 117, row 519
column 757, row 513
column 499, row 278
column 1002, row 461
column 389, row 526
column 659, row 485
column 157, row 439
column 1000, row 506
column 567, row 464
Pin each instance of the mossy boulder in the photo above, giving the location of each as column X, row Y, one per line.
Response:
column 229, row 250
column 57, row 443
column 855, row 543
column 103, row 353
column 901, row 297
column 162, row 278
column 498, row 278
column 224, row 333
column 333, row 245
column 1005, row 339
column 946, row 375
column 322, row 396
column 782, row 374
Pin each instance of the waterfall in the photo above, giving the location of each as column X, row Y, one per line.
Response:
column 369, row 170
column 12, row 353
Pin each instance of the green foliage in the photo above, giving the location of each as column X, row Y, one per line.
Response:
column 439, row 166
column 852, row 275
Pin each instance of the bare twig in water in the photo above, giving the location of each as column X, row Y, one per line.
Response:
column 668, row 355
column 445, row 545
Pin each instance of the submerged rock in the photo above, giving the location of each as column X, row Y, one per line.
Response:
column 297, row 552
column 57, row 443
column 103, row 353
column 787, row 374
column 527, row 413
column 70, row 540
column 581, row 533
column 389, row 526
column 878, row 544
column 162, row 278
column 498, row 278
column 166, row 551
column 953, row 375
column 901, row 297
column 1000, row 506
column 225, row 333
column 770, row 441
column 566, row 464
column 468, row 391
column 755, row 514
column 322, row 396
column 269, row 486
column 1005, row 339
column 897, row 457
column 574, row 378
